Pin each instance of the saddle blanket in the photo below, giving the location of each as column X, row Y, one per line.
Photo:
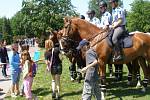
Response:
column 125, row 41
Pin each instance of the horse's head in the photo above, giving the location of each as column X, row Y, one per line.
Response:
column 69, row 27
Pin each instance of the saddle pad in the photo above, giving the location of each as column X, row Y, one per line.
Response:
column 125, row 41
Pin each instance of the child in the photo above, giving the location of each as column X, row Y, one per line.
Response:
column 91, row 83
column 27, row 73
column 15, row 70
column 54, row 65
column 23, row 47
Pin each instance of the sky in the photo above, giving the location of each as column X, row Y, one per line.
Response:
column 9, row 7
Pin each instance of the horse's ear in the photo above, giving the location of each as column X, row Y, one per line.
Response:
column 67, row 19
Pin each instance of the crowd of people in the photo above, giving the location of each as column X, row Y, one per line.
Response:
column 22, row 62
column 18, row 61
column 116, row 23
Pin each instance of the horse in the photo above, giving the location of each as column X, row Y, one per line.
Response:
column 77, row 29
column 72, row 54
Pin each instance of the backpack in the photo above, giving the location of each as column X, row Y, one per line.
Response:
column 33, row 69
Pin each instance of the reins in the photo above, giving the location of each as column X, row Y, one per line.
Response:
column 100, row 39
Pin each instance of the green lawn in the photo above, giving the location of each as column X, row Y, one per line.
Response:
column 73, row 90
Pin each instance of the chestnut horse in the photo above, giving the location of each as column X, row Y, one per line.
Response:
column 77, row 29
column 69, row 50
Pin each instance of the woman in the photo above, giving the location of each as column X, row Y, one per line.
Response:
column 54, row 65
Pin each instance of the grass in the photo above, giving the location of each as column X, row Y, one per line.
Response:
column 73, row 90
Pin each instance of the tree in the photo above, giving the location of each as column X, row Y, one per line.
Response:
column 6, row 28
column 42, row 15
column 17, row 24
column 138, row 18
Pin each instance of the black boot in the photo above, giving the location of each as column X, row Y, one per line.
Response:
column 117, row 53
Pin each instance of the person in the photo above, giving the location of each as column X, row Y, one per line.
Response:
column 82, row 16
column 27, row 74
column 92, row 19
column 15, row 70
column 106, row 18
column 54, row 65
column 118, row 26
column 4, row 58
column 23, row 48
column 91, row 82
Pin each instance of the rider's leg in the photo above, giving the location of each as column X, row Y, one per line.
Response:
column 117, row 33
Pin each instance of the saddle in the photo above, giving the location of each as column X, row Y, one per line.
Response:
column 125, row 40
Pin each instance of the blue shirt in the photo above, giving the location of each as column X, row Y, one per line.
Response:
column 118, row 13
column 15, row 61
column 106, row 19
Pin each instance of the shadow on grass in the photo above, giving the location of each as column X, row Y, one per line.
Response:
column 121, row 89
column 71, row 93
column 42, row 91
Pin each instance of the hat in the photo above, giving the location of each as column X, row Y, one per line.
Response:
column 103, row 4
column 82, row 16
column 82, row 43
column 113, row 1
column 90, row 12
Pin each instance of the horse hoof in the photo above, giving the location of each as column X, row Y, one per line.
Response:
column 111, row 76
column 143, row 90
column 72, row 80
column 138, row 85
column 129, row 83
column 102, row 96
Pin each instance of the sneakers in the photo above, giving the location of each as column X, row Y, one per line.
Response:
column 57, row 96
column 53, row 95
column 13, row 95
column 21, row 94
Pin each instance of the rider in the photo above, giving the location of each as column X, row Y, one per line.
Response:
column 118, row 26
column 106, row 18
column 92, row 19
column 82, row 16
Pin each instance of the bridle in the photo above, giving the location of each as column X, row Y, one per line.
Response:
column 69, row 28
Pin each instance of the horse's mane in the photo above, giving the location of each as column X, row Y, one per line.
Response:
column 85, row 22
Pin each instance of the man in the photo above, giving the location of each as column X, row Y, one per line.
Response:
column 4, row 58
column 91, row 82
column 118, row 26
column 82, row 16
column 106, row 18
column 92, row 19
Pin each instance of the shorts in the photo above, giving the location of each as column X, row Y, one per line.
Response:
column 56, row 70
column 15, row 77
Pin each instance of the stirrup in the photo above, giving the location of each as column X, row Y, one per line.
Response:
column 118, row 58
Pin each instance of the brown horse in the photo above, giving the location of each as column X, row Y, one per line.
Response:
column 78, row 29
column 69, row 50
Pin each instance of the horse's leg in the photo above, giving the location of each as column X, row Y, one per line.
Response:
column 102, row 73
column 72, row 69
column 136, row 70
column 80, row 65
column 129, row 65
column 148, row 64
column 110, row 70
column 145, row 69
column 116, row 72
column 120, row 71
